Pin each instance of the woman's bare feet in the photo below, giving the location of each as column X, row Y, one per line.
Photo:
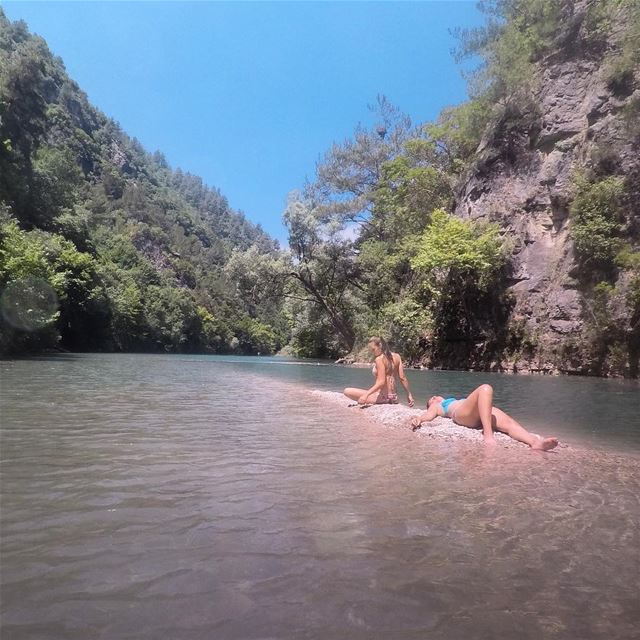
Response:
column 545, row 444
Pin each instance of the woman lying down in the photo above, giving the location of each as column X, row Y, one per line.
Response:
column 477, row 410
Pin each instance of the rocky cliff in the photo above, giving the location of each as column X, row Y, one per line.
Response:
column 576, row 120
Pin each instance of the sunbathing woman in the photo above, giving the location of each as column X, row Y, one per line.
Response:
column 477, row 410
column 387, row 366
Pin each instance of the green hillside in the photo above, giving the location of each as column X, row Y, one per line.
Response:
column 102, row 245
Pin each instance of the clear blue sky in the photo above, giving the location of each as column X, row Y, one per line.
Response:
column 248, row 95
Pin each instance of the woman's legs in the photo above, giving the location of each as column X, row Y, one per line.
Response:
column 515, row 430
column 478, row 408
column 353, row 393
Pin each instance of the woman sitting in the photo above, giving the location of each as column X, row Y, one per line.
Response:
column 386, row 367
column 476, row 411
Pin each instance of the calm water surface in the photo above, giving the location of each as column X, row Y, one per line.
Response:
column 200, row 497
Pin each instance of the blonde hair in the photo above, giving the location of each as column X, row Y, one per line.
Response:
column 384, row 347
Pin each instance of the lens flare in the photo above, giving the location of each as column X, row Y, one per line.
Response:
column 29, row 304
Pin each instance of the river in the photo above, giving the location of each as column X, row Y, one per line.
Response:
column 193, row 497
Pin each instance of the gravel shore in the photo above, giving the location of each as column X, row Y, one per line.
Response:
column 399, row 416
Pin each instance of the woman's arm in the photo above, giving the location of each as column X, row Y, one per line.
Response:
column 381, row 380
column 404, row 382
column 431, row 413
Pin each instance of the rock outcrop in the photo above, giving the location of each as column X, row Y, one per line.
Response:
column 524, row 179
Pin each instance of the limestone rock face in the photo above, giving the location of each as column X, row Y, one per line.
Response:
column 524, row 181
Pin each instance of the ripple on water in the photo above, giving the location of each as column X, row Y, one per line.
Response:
column 158, row 499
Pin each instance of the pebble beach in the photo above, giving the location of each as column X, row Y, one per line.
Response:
column 398, row 416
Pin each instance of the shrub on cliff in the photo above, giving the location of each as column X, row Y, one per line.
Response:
column 452, row 251
column 595, row 221
column 515, row 35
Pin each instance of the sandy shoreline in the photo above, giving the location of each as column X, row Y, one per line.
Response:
column 398, row 416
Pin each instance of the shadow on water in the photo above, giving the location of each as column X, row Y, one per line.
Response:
column 46, row 357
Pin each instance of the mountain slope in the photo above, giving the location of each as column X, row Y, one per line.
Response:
column 102, row 245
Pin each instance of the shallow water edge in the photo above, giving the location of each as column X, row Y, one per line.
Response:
column 159, row 497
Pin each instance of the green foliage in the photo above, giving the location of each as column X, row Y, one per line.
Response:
column 409, row 188
column 405, row 323
column 458, row 131
column 312, row 336
column 516, row 34
column 452, row 249
column 621, row 69
column 47, row 262
column 323, row 262
column 57, row 181
column 384, row 268
column 351, row 288
column 260, row 278
column 631, row 116
column 633, row 299
column 171, row 318
column 256, row 337
column 125, row 303
column 597, row 20
column 629, row 258
column 420, row 288
column 602, row 217
column 216, row 334
column 349, row 172
column 47, row 256
column 595, row 220
column 134, row 251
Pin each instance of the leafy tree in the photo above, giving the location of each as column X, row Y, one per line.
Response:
column 348, row 173
column 324, row 264
column 406, row 323
column 384, row 270
column 23, row 117
column 171, row 319
column 256, row 337
column 216, row 334
column 260, row 278
column 57, row 180
column 457, row 132
column 458, row 278
column 409, row 188
column 516, row 34
column 36, row 256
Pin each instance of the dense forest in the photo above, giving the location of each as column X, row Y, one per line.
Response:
column 102, row 245
column 413, row 231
